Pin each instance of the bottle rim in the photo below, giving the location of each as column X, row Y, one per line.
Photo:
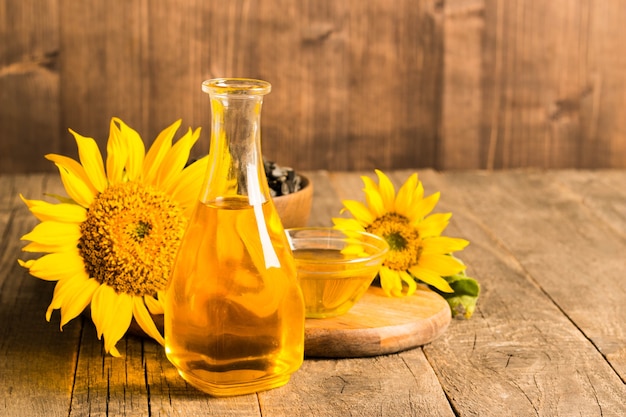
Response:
column 243, row 86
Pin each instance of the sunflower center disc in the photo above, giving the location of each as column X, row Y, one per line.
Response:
column 404, row 241
column 130, row 238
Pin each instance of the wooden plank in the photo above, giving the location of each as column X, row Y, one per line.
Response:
column 179, row 54
column 546, row 68
column 601, row 236
column 36, row 360
column 393, row 385
column 397, row 51
column 105, row 385
column 462, row 142
column 602, row 192
column 604, row 144
column 104, row 68
column 29, row 83
column 528, row 345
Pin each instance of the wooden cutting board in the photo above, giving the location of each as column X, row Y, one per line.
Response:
column 379, row 325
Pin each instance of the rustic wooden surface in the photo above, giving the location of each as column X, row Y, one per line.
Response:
column 357, row 84
column 548, row 337
column 378, row 325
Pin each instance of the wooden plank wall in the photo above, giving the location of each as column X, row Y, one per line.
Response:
column 357, row 84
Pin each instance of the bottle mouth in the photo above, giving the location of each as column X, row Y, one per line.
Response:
column 243, row 86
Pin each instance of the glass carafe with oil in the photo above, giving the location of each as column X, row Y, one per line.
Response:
column 234, row 313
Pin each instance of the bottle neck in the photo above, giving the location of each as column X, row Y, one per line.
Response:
column 235, row 160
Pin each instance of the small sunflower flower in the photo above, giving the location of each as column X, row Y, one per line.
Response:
column 110, row 244
column 417, row 252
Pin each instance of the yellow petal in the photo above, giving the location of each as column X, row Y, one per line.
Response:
column 387, row 191
column 117, row 154
column 359, row 211
column 418, row 193
column 443, row 245
column 422, row 207
column 404, row 199
column 409, row 281
column 77, row 185
column 159, row 149
column 54, row 266
column 54, row 233
column 112, row 314
column 390, row 281
column 136, row 150
column 62, row 289
column 188, row 184
column 76, row 302
column 44, row 248
column 26, row 264
column 444, row 265
column 373, row 197
column 432, row 225
column 347, row 224
column 154, row 306
column 91, row 160
column 354, row 248
column 119, row 324
column 63, row 212
column 145, row 321
column 177, row 158
column 73, row 167
column 99, row 308
column 431, row 278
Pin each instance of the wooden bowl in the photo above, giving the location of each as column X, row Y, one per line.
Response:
column 294, row 209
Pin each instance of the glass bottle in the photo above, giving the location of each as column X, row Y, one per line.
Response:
column 234, row 312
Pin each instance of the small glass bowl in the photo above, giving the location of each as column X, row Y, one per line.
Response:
column 335, row 268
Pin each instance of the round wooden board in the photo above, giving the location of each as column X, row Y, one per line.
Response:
column 379, row 325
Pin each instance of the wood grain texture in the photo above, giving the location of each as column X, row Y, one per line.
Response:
column 104, row 68
column 461, row 141
column 546, row 76
column 378, row 325
column 460, row 84
column 30, row 88
column 354, row 387
column 549, row 265
column 547, row 337
column 34, row 379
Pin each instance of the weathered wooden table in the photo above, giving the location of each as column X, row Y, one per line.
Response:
column 548, row 337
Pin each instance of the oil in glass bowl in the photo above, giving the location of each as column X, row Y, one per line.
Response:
column 335, row 268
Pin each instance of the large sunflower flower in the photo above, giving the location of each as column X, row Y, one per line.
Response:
column 417, row 249
column 111, row 243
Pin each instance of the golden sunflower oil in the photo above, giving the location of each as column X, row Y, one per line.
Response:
column 234, row 325
column 332, row 280
column 234, row 312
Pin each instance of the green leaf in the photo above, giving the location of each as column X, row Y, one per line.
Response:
column 465, row 296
